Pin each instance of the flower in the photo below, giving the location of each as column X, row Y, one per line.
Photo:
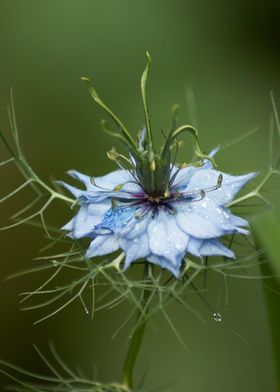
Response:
column 117, row 212
column 152, row 208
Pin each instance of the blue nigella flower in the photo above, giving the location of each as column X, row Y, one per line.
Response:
column 117, row 213
column 152, row 208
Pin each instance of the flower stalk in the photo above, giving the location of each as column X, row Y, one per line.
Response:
column 136, row 338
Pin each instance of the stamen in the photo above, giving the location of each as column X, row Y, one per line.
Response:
column 153, row 165
column 167, row 193
column 118, row 187
column 201, row 192
column 175, row 157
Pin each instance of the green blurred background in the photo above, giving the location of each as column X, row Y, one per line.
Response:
column 227, row 53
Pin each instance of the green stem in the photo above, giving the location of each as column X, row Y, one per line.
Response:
column 136, row 340
column 131, row 356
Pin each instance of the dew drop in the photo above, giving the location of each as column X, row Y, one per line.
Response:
column 55, row 263
column 217, row 317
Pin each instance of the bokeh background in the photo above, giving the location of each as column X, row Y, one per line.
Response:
column 227, row 53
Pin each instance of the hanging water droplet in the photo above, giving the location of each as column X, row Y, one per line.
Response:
column 217, row 317
column 55, row 263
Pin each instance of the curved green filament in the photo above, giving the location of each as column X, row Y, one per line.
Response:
column 187, row 128
column 144, row 79
column 114, row 117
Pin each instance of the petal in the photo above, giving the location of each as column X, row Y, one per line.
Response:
column 115, row 219
column 135, row 249
column 165, row 263
column 204, row 220
column 116, row 178
column 102, row 245
column 231, row 185
column 81, row 177
column 134, row 229
column 183, row 175
column 75, row 191
column 213, row 152
column 215, row 248
column 178, row 237
column 105, row 186
column 166, row 239
column 238, row 221
column 194, row 246
column 88, row 216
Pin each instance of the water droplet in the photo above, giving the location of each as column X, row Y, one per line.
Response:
column 55, row 263
column 217, row 317
column 226, row 215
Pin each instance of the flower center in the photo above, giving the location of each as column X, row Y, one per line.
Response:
column 154, row 204
column 157, row 200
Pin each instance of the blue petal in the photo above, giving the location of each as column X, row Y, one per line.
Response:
column 198, row 225
column 238, row 221
column 81, row 177
column 75, row 191
column 194, row 246
column 104, row 187
column 165, row 263
column 231, row 185
column 116, row 178
column 108, row 182
column 184, row 175
column 215, row 248
column 115, row 218
column 135, row 229
column 88, row 216
column 102, row 245
column 214, row 152
column 204, row 219
column 135, row 249
column 166, row 239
